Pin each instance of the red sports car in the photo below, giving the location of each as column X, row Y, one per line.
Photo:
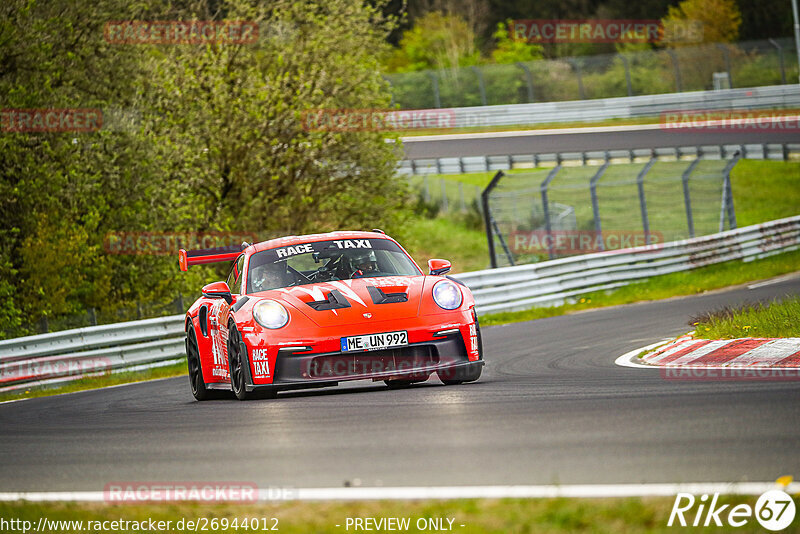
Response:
column 315, row 310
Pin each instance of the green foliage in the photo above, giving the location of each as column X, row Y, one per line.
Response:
column 436, row 41
column 216, row 143
column 772, row 319
column 509, row 50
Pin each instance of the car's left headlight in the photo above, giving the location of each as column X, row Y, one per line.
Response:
column 447, row 295
column 270, row 314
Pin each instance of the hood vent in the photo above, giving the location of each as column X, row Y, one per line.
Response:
column 379, row 297
column 334, row 301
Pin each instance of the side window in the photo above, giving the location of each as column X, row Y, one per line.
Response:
column 235, row 277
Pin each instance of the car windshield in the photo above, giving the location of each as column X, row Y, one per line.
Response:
column 325, row 261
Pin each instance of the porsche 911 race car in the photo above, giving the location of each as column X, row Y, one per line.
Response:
column 315, row 310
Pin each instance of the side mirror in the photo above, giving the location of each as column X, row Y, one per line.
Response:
column 218, row 290
column 438, row 267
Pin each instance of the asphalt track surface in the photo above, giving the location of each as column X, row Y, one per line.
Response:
column 551, row 408
column 590, row 140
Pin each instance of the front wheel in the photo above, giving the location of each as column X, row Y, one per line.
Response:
column 198, row 385
column 458, row 375
column 237, row 362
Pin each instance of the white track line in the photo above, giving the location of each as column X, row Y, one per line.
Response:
column 771, row 281
column 459, row 492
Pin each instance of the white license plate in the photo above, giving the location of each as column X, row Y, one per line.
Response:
column 375, row 341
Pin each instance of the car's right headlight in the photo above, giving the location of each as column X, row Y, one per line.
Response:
column 270, row 314
column 447, row 295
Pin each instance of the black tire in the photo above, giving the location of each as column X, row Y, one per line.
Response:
column 237, row 362
column 198, row 385
column 403, row 383
column 463, row 373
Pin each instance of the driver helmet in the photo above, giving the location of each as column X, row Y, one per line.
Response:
column 271, row 276
column 364, row 262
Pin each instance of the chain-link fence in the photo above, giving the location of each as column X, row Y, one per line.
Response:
column 691, row 68
column 605, row 205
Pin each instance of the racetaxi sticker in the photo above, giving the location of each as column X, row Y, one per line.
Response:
column 296, row 249
column 261, row 369
column 473, row 338
column 260, row 363
column 353, row 243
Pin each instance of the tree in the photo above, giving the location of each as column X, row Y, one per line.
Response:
column 436, row 41
column 719, row 19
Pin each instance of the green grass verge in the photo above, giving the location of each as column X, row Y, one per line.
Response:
column 477, row 515
column 771, row 319
column 661, row 287
column 96, row 382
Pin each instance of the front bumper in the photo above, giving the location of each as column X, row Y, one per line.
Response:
column 413, row 361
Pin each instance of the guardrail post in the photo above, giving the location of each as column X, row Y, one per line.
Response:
column 677, row 68
column 775, row 43
column 596, row 205
column 529, row 80
column 546, row 208
column 727, row 55
column 576, row 65
column 642, row 200
column 444, row 194
column 437, row 99
column 727, row 196
column 687, row 197
column 481, row 83
column 627, row 73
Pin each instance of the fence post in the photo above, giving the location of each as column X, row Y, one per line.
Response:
column 596, row 205
column 461, row 196
column 687, row 197
column 444, row 194
column 627, row 73
column 775, row 43
column 487, row 217
column 727, row 55
column 426, row 192
column 437, row 99
column 576, row 65
column 676, row 66
column 546, row 208
column 43, row 326
column 481, row 84
column 642, row 200
column 529, row 80
column 92, row 317
column 478, row 197
column 181, row 309
column 727, row 196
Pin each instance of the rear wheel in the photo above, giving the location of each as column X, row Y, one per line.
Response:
column 196, row 381
column 237, row 360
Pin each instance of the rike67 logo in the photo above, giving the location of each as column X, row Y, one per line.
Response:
column 774, row 510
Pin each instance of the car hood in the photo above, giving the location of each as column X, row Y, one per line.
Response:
column 363, row 296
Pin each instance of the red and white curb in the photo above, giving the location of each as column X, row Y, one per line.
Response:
column 744, row 353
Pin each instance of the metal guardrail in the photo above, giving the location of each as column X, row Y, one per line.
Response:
column 469, row 164
column 771, row 96
column 81, row 352
column 552, row 282
column 72, row 354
